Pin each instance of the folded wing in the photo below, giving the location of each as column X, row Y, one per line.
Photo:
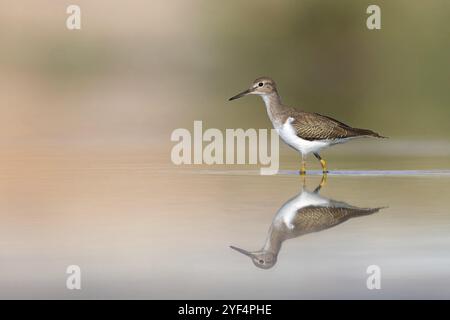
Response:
column 314, row 126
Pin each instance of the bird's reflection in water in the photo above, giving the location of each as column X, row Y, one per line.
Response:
column 307, row 212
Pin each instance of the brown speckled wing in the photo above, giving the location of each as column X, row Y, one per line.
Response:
column 315, row 218
column 314, row 126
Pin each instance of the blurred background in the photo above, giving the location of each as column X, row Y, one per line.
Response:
column 135, row 72
column 86, row 118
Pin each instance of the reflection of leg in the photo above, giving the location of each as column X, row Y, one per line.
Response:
column 303, row 168
column 323, row 182
column 303, row 181
column 323, row 163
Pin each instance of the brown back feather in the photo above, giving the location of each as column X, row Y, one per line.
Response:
column 314, row 126
column 316, row 218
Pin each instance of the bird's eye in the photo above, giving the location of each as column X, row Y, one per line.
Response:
column 261, row 261
column 260, row 84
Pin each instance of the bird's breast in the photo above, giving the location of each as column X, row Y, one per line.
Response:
column 288, row 134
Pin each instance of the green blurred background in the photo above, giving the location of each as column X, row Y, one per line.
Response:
column 139, row 69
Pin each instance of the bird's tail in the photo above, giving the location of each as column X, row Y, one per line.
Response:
column 366, row 211
column 367, row 132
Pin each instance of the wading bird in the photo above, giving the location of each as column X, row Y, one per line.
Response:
column 306, row 132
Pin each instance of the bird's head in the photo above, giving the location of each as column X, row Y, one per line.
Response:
column 262, row 259
column 261, row 86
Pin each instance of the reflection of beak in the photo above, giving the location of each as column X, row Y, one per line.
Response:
column 247, row 253
column 240, row 95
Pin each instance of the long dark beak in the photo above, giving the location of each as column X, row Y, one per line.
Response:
column 247, row 253
column 240, row 95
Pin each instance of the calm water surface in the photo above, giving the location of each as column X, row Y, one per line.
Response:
column 140, row 228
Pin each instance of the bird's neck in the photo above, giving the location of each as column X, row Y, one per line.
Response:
column 274, row 241
column 273, row 105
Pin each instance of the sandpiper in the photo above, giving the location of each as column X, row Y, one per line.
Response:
column 305, row 213
column 306, row 132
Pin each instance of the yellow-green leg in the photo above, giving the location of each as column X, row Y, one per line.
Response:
column 303, row 177
column 323, row 182
column 303, row 167
column 323, row 163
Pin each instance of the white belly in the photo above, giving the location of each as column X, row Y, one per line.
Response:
column 289, row 210
column 288, row 135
